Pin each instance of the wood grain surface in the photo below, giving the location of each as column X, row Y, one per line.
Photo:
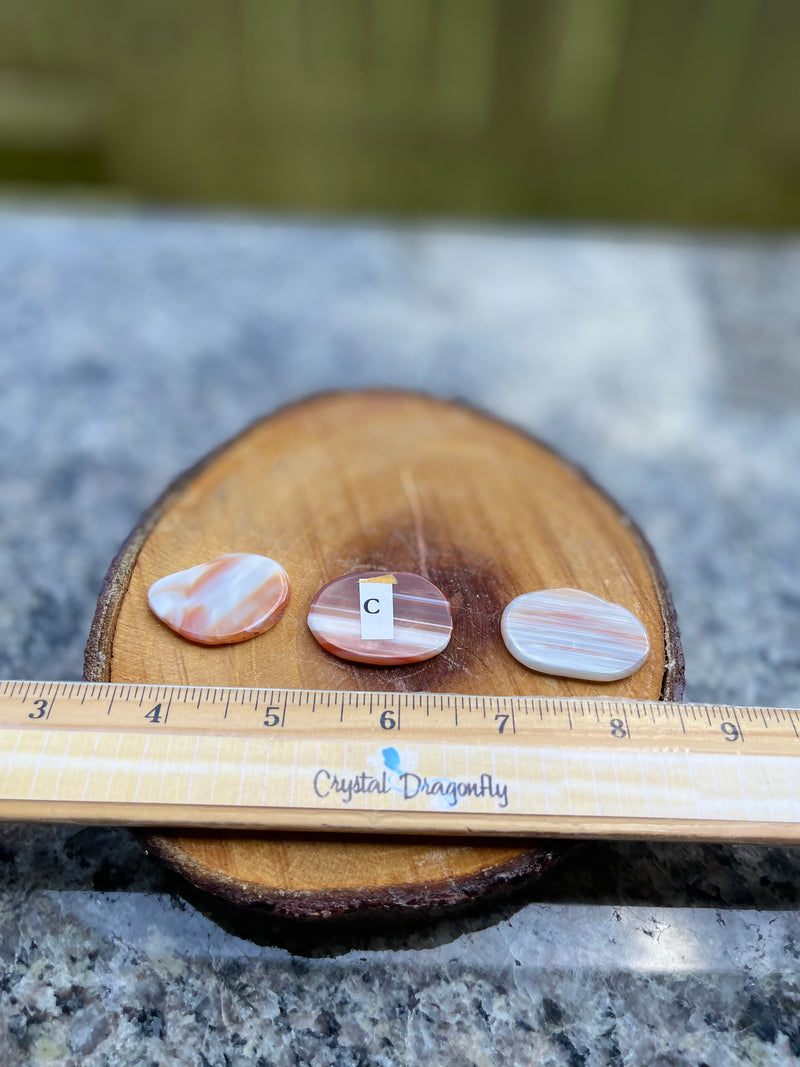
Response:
column 378, row 481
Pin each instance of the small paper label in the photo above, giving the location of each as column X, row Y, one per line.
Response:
column 376, row 607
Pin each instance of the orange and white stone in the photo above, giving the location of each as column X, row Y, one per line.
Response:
column 343, row 613
column 229, row 599
column 574, row 634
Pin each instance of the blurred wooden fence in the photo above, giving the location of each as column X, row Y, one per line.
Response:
column 664, row 110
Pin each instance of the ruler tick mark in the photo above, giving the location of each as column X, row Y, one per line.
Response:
column 738, row 725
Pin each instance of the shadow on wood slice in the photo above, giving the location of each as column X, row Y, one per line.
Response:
column 378, row 481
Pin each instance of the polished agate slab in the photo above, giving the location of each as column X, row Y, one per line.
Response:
column 380, row 618
column 229, row 599
column 573, row 634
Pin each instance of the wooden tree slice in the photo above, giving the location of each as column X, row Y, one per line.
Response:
column 378, row 481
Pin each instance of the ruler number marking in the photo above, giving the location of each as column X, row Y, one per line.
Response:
column 619, row 728
column 44, row 709
column 730, row 731
column 271, row 716
column 388, row 721
column 155, row 715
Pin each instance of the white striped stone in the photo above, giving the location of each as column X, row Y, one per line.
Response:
column 574, row 634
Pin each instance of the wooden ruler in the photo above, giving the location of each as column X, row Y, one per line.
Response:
column 397, row 762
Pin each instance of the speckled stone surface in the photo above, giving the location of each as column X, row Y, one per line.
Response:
column 668, row 367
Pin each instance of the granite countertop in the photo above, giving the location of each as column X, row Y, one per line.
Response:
column 667, row 366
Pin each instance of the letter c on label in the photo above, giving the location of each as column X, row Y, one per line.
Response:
column 368, row 609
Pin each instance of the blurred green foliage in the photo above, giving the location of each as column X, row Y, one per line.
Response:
column 674, row 111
